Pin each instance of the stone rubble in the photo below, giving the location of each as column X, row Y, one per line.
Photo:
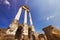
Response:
column 50, row 33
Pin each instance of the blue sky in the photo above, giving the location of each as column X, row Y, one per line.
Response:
column 44, row 12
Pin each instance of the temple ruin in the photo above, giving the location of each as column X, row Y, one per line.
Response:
column 18, row 31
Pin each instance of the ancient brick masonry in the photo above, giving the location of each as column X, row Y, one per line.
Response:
column 18, row 31
column 3, row 35
column 52, row 33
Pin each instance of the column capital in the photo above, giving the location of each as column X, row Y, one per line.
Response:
column 26, row 8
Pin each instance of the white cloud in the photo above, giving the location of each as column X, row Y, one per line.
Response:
column 7, row 2
column 50, row 17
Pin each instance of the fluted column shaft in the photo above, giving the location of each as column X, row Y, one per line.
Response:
column 31, row 24
column 25, row 32
column 14, row 25
column 30, row 19
column 17, row 17
column 25, row 17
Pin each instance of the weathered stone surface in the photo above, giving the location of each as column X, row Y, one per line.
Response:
column 52, row 33
column 3, row 35
column 18, row 36
column 25, row 37
column 30, row 33
column 8, row 37
column 36, row 35
column 19, row 32
column 42, row 37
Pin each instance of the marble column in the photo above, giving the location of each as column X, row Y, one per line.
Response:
column 14, row 25
column 17, row 17
column 31, row 23
column 25, row 32
column 25, row 17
